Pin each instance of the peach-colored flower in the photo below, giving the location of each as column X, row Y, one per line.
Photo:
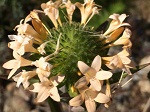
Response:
column 37, row 24
column 88, row 9
column 16, row 63
column 92, row 74
column 114, row 39
column 47, row 88
column 120, row 60
column 86, row 95
column 89, row 95
column 41, row 49
column 114, row 35
column 23, row 78
column 70, row 9
column 28, row 30
column 117, row 21
column 51, row 10
column 124, row 39
column 21, row 44
column 43, row 68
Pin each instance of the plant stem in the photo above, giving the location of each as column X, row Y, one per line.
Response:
column 54, row 106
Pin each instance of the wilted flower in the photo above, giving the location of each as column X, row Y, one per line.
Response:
column 114, row 40
column 37, row 24
column 124, row 39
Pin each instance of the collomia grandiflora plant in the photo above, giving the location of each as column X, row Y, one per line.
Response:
column 52, row 51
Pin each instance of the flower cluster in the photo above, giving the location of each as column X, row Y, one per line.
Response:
column 60, row 56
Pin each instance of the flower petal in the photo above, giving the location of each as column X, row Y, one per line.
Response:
column 124, row 52
column 83, row 67
column 57, row 79
column 76, row 101
column 43, row 94
column 103, row 75
column 35, row 87
column 96, row 64
column 54, row 94
column 81, row 82
column 91, row 93
column 10, row 64
column 90, row 105
column 95, row 84
column 12, row 72
column 102, row 98
column 125, row 60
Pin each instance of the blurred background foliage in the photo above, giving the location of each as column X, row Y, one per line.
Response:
column 12, row 11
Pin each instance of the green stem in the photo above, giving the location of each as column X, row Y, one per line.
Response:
column 54, row 106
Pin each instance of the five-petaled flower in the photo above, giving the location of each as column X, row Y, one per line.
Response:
column 92, row 74
column 89, row 95
column 46, row 88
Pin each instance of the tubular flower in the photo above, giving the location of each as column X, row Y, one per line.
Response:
column 28, row 30
column 16, row 63
column 43, row 68
column 50, row 56
column 124, row 40
column 37, row 24
column 21, row 44
column 121, row 60
column 47, row 88
column 23, row 77
column 117, row 22
column 87, row 9
column 70, row 9
column 93, row 74
column 89, row 95
column 51, row 9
